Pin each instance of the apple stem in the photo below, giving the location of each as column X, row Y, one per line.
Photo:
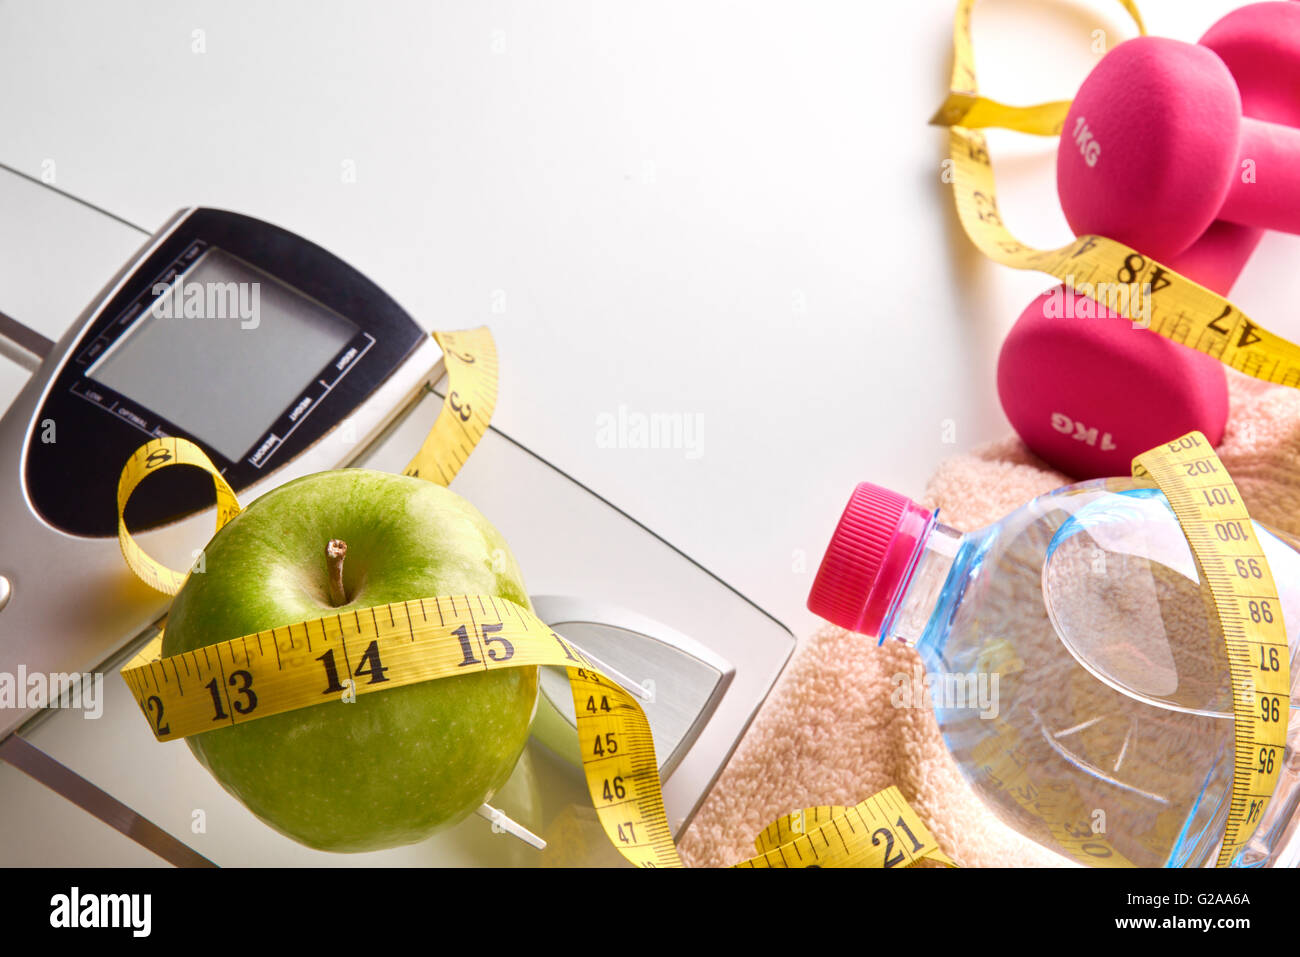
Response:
column 335, row 552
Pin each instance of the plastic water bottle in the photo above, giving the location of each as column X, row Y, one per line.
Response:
column 1073, row 663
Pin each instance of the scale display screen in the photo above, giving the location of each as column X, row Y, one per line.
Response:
column 223, row 350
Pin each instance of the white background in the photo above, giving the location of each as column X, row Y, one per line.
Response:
column 718, row 208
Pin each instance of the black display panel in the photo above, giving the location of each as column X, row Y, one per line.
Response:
column 223, row 349
column 233, row 333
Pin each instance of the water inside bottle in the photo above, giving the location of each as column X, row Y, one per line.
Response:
column 1114, row 726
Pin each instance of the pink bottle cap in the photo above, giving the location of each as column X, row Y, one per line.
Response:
column 870, row 559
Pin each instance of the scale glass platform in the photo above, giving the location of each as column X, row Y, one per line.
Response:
column 708, row 655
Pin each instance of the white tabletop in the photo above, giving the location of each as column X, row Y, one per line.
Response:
column 731, row 211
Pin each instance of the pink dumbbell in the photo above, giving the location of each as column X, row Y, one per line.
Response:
column 1260, row 45
column 1088, row 394
column 1155, row 148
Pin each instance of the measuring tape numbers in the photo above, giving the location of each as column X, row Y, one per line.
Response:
column 1231, row 561
column 882, row 831
column 423, row 639
column 471, row 360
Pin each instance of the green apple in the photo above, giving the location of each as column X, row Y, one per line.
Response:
column 386, row 768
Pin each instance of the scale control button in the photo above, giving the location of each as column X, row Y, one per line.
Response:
column 6, row 590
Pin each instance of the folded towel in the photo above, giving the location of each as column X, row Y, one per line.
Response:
column 828, row 733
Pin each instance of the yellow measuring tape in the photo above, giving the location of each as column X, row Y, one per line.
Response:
column 418, row 640
column 882, row 831
column 1231, row 561
column 471, row 361
column 1180, row 309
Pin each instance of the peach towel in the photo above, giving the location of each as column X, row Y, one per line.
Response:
column 828, row 733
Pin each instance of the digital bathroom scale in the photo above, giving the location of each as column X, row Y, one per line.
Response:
column 317, row 369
